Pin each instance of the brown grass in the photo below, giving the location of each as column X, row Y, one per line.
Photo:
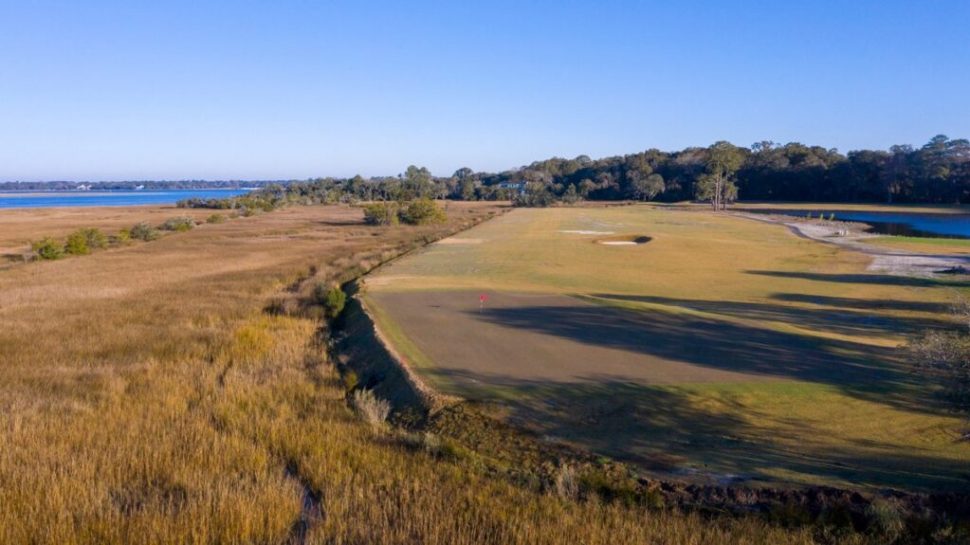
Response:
column 146, row 396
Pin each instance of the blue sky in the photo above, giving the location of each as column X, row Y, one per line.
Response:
column 101, row 90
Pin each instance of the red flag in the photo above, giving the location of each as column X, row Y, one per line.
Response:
column 482, row 298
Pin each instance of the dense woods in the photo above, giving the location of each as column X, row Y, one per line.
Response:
column 936, row 173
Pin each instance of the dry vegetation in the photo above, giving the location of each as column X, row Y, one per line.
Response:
column 148, row 396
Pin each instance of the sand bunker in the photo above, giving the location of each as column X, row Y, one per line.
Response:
column 624, row 240
column 584, row 232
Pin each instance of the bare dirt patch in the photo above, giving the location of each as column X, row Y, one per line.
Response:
column 458, row 240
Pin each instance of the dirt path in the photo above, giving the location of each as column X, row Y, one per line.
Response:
column 884, row 260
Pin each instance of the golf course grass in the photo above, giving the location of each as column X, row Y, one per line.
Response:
column 725, row 349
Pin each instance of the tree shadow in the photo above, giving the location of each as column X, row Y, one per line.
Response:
column 862, row 304
column 843, row 320
column 881, row 279
column 661, row 430
column 871, row 372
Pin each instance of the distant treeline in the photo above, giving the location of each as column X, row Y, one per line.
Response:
column 131, row 185
column 938, row 172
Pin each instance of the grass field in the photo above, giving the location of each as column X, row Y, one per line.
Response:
column 724, row 348
column 20, row 226
column 147, row 396
column 923, row 245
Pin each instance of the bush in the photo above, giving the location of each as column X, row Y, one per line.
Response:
column 95, row 238
column 216, row 218
column 48, row 248
column 380, row 214
column 143, row 231
column 373, row 410
column 76, row 244
column 123, row 236
column 332, row 298
column 422, row 212
column 179, row 224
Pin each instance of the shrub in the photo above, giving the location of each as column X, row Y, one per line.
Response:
column 123, row 236
column 372, row 409
column 380, row 214
column 76, row 244
column 48, row 248
column 143, row 231
column 422, row 212
column 96, row 239
column 335, row 301
column 216, row 218
column 179, row 224
column 332, row 298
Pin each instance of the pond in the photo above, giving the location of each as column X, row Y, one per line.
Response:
column 910, row 224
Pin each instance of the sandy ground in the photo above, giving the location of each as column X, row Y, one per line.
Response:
column 884, row 260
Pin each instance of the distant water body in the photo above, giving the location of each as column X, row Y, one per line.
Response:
column 51, row 199
column 912, row 224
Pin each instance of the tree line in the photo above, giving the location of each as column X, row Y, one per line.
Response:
column 935, row 173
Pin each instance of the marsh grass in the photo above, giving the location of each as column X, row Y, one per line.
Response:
column 147, row 397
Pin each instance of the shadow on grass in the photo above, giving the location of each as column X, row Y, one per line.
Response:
column 864, row 371
column 660, row 429
column 881, row 279
column 844, row 320
column 863, row 304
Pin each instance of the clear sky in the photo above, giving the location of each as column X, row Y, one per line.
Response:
column 98, row 90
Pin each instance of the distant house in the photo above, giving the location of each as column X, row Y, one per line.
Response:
column 516, row 187
column 83, row 187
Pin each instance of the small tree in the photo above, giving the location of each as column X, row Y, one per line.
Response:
column 94, row 238
column 179, row 224
column 332, row 298
column 649, row 187
column 422, row 212
column 48, row 248
column 76, row 244
column 717, row 183
column 143, row 231
column 381, row 213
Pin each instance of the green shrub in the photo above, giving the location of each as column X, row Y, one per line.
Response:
column 178, row 224
column 48, row 248
column 143, row 231
column 350, row 380
column 422, row 212
column 76, row 244
column 95, row 238
column 332, row 298
column 123, row 236
column 216, row 218
column 380, row 214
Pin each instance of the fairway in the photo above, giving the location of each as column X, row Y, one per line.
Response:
column 723, row 349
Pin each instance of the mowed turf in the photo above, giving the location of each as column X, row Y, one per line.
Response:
column 724, row 348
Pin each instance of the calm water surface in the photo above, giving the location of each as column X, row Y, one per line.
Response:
column 911, row 224
column 35, row 199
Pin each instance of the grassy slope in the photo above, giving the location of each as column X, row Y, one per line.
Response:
column 146, row 397
column 855, row 434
